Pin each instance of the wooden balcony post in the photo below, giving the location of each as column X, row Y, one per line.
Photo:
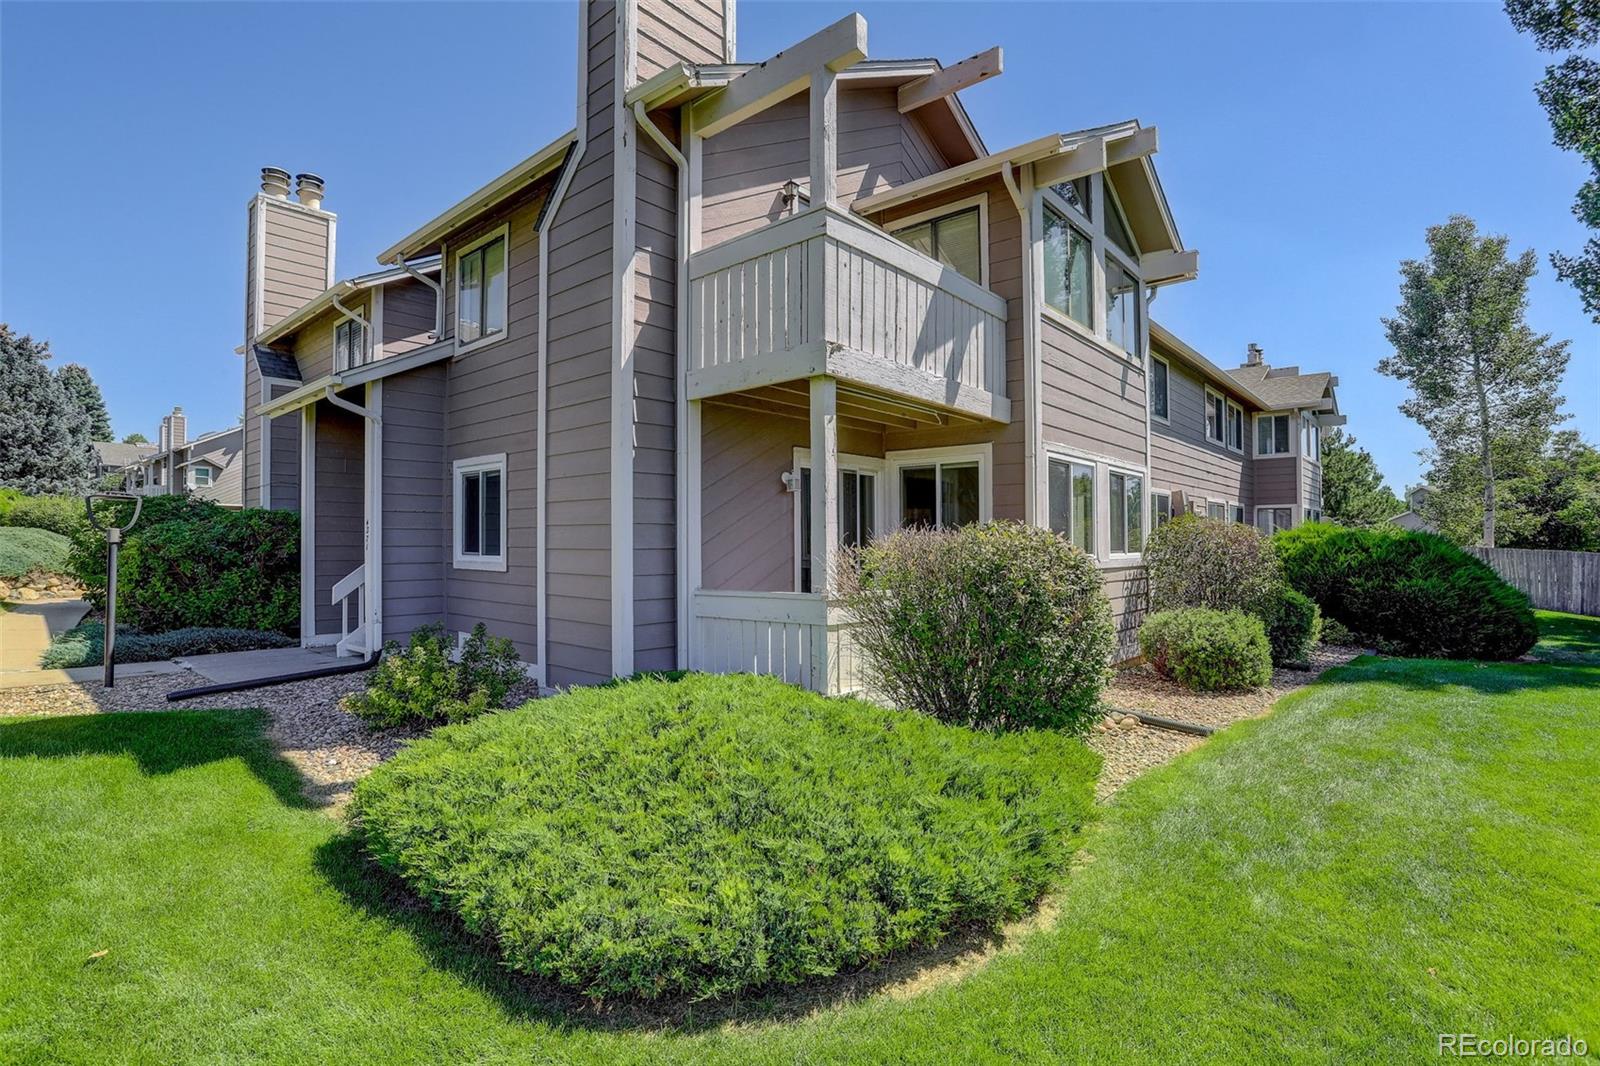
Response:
column 824, row 481
column 824, row 137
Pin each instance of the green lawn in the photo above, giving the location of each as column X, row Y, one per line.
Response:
column 1405, row 849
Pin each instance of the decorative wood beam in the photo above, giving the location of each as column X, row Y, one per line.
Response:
column 1158, row 267
column 951, row 80
column 835, row 48
column 1135, row 146
column 1087, row 158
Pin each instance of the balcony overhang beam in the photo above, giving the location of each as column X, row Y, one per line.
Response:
column 950, row 80
column 832, row 49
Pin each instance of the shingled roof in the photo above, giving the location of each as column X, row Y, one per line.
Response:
column 1282, row 387
column 275, row 364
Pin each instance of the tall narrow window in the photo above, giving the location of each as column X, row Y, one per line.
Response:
column 1160, row 509
column 1238, row 513
column 1216, row 416
column 1311, row 439
column 1158, row 388
column 481, row 291
column 858, row 494
column 1272, row 435
column 1072, row 502
column 1067, row 270
column 954, row 240
column 1127, row 513
column 1235, row 426
column 480, row 513
column 1116, row 226
column 349, row 345
column 1122, row 308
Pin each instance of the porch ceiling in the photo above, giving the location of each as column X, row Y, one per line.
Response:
column 859, row 407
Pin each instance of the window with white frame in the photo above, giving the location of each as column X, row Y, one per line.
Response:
column 1238, row 512
column 1313, row 514
column 1235, row 427
column 1216, row 416
column 1126, row 509
column 481, row 289
column 1160, row 509
column 1217, row 509
column 1160, row 374
column 200, row 476
column 941, row 495
column 1273, row 435
column 349, row 345
column 858, row 509
column 954, row 239
column 1072, row 501
column 1271, row 519
column 1068, row 269
column 480, row 513
column 1311, row 439
column 1122, row 307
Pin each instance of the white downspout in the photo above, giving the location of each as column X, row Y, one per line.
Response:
column 366, row 327
column 681, row 355
column 541, row 569
column 438, row 294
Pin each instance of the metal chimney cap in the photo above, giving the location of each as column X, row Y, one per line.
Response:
column 309, row 188
column 275, row 182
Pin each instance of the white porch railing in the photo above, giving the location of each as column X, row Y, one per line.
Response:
column 795, row 636
column 352, row 640
column 825, row 293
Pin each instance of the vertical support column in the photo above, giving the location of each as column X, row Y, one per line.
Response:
column 372, row 467
column 308, row 523
column 824, row 137
column 824, row 481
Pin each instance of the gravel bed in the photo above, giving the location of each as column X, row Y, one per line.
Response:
column 1130, row 748
column 331, row 748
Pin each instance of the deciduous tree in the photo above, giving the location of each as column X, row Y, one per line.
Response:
column 1483, row 383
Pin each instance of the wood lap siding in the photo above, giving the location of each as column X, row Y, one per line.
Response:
column 745, row 167
column 251, row 446
column 340, row 523
column 296, row 267
column 1312, row 484
column 416, row 501
column 579, row 392
column 1093, row 401
column 1182, row 459
column 1128, row 590
column 408, row 308
column 284, row 439
column 1276, row 480
column 670, row 30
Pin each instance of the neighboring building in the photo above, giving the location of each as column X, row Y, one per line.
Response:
column 209, row 466
column 1411, row 517
column 113, row 457
column 623, row 402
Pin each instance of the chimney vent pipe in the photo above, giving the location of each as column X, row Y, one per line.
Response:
column 309, row 188
column 275, row 182
column 1253, row 355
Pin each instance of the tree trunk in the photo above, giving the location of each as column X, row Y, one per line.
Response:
column 1484, row 452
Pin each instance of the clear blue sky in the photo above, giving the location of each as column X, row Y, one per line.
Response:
column 1304, row 147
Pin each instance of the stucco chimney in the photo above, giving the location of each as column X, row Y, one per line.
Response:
column 1253, row 355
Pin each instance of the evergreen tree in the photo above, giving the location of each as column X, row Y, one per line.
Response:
column 1353, row 492
column 44, row 434
column 86, row 394
column 1570, row 94
column 1483, row 384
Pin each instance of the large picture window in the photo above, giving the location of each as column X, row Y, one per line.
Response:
column 1072, row 502
column 1067, row 269
column 481, row 290
column 480, row 513
column 940, row 495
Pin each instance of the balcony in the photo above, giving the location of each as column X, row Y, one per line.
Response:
column 824, row 294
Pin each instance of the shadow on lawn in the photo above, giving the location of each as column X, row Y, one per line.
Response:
column 1484, row 677
column 161, row 743
column 449, row 945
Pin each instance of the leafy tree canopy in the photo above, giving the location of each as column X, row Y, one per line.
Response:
column 1553, row 501
column 1353, row 490
column 44, row 434
column 136, row 438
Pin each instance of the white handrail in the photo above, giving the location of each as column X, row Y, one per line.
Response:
column 349, row 583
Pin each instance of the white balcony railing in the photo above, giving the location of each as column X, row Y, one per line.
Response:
column 352, row 638
column 825, row 293
column 795, row 636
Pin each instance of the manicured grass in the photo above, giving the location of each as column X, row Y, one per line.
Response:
column 1405, row 849
column 1568, row 638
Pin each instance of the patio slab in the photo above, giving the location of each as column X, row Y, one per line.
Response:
column 228, row 666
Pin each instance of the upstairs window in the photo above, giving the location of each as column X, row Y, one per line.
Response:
column 200, row 474
column 480, row 513
column 1122, row 307
column 1311, row 440
column 1159, row 373
column 349, row 345
column 956, row 240
column 1272, row 435
column 481, row 290
column 1067, row 270
column 1235, row 427
column 1076, row 195
column 1072, row 502
column 1117, row 226
column 1216, row 416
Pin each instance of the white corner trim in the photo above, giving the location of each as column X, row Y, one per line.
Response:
column 333, row 234
column 624, row 144
column 476, row 464
column 308, row 524
column 373, row 469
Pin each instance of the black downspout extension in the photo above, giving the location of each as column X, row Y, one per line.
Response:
column 277, row 679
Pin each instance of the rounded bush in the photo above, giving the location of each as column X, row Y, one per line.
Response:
column 24, row 551
column 1206, row 650
column 721, row 833
column 997, row 626
column 1411, row 593
column 1293, row 623
column 427, row 682
column 1204, row 562
column 59, row 514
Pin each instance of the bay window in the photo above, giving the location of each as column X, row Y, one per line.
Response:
column 1272, row 435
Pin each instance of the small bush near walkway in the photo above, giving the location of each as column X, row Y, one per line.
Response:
column 422, row 684
column 1209, row 651
column 722, row 833
column 189, row 562
column 1194, row 561
column 65, row 515
column 996, row 626
column 26, row 551
column 1410, row 593
column 84, row 644
column 1293, row 623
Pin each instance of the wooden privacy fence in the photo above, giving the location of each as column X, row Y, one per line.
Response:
column 1553, row 580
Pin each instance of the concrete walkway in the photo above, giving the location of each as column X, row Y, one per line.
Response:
column 225, row 666
column 26, row 630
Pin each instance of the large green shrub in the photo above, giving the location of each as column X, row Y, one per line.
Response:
column 722, row 833
column 424, row 684
column 188, row 562
column 998, row 625
column 59, row 514
column 1293, row 623
column 84, row 644
column 1206, row 650
column 23, row 551
column 1205, row 562
column 1411, row 593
